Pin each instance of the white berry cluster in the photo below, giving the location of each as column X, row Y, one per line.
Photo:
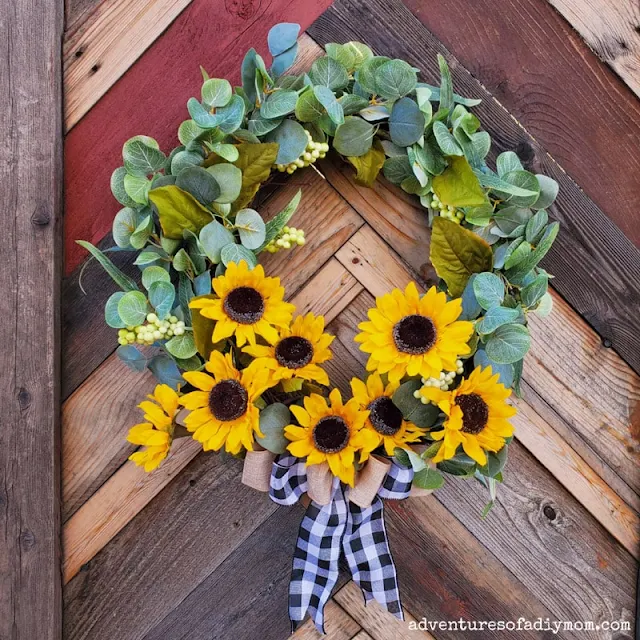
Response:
column 154, row 329
column 447, row 211
column 313, row 151
column 443, row 381
column 287, row 238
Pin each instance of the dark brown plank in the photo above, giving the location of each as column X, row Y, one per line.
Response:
column 597, row 268
column 30, row 272
column 539, row 68
column 165, row 552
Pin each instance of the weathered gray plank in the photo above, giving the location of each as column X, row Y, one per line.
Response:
column 30, row 261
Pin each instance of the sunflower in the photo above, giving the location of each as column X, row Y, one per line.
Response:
column 298, row 351
column 331, row 432
column 223, row 410
column 248, row 303
column 407, row 334
column 477, row 416
column 385, row 420
column 156, row 434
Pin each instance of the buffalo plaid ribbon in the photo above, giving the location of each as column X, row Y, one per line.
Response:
column 340, row 526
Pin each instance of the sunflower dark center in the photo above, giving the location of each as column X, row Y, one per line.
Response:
column 294, row 352
column 228, row 400
column 475, row 413
column 414, row 334
column 385, row 417
column 331, row 434
column 244, row 305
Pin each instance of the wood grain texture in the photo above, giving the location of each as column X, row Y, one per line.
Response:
column 379, row 269
column 215, row 35
column 99, row 50
column 376, row 622
column 611, row 29
column 550, row 543
column 338, row 625
column 589, row 243
column 152, row 566
column 571, row 103
column 30, row 271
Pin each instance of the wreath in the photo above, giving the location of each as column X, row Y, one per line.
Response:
column 239, row 371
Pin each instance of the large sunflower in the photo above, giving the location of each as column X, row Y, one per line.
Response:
column 298, row 351
column 156, row 434
column 413, row 335
column 331, row 432
column 223, row 410
column 248, row 303
column 385, row 420
column 477, row 416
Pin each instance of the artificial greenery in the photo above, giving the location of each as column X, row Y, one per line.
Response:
column 187, row 214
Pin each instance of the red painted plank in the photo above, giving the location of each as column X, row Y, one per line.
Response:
column 151, row 99
column 539, row 68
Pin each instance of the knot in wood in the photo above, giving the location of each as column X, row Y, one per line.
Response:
column 41, row 215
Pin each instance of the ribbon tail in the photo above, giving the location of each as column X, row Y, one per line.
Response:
column 366, row 549
column 315, row 561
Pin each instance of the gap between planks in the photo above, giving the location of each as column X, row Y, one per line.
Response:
column 128, row 490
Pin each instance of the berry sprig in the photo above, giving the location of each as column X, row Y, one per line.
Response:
column 313, row 151
column 154, row 329
column 288, row 237
column 447, row 211
column 443, row 381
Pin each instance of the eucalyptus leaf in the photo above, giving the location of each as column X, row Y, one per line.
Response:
column 533, row 292
column 132, row 308
column 548, row 192
column 213, row 237
column 395, row 79
column 229, row 180
column 202, row 284
column 354, row 137
column 111, row 315
column 216, row 93
column 508, row 344
column 292, row 140
column 132, row 357
column 236, row 253
column 284, row 60
column 142, row 156
column 166, row 371
column 251, row 228
column 446, row 84
column 153, row 274
column 328, row 72
column 308, row 107
column 496, row 317
column 507, row 162
column 445, row 140
column 141, row 233
column 118, row 190
column 260, row 126
column 328, row 100
column 519, row 271
column 232, row 115
column 162, row 295
column 282, row 36
column 279, row 103
column 471, row 309
column 137, row 188
column 366, row 74
column 406, row 123
column 124, row 224
column 184, row 159
column 545, row 305
column 182, row 347
column 412, row 408
column 200, row 183
column 489, row 290
column 273, row 419
column 536, row 226
column 505, row 371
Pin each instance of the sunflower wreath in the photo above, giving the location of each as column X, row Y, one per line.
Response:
column 239, row 371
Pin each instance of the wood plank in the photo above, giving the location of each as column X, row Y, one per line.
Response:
column 97, row 52
column 589, row 242
column 152, row 566
column 338, row 625
column 549, row 543
column 192, row 40
column 95, row 422
column 603, row 503
column 30, row 271
column 376, row 622
column 129, row 490
column 546, row 78
column 610, row 28
column 536, row 525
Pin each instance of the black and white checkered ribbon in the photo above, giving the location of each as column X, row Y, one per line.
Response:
column 341, row 525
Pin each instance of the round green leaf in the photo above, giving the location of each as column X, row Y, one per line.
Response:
column 291, row 138
column 279, row 103
column 232, row 115
column 480, row 359
column 496, row 317
column 251, row 228
column 422, row 415
column 118, row 190
column 229, row 179
column 406, row 123
column 141, row 233
column 328, row 72
column 354, row 137
column 142, row 156
column 111, row 315
column 227, row 151
column 524, row 180
column 397, row 168
column 548, row 192
column 328, row 100
column 445, row 140
column 188, row 131
column 366, row 74
column 259, row 126
column 273, row 419
column 506, row 162
column 137, row 188
column 162, row 295
column 200, row 183
column 213, row 237
column 489, row 290
column 508, row 344
column 236, row 253
column 165, row 371
column 545, row 305
column 124, row 224
column 132, row 307
column 308, row 107
column 282, row 36
column 216, row 93
column 184, row 159
column 182, row 347
column 132, row 357
column 153, row 274
column 395, row 79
